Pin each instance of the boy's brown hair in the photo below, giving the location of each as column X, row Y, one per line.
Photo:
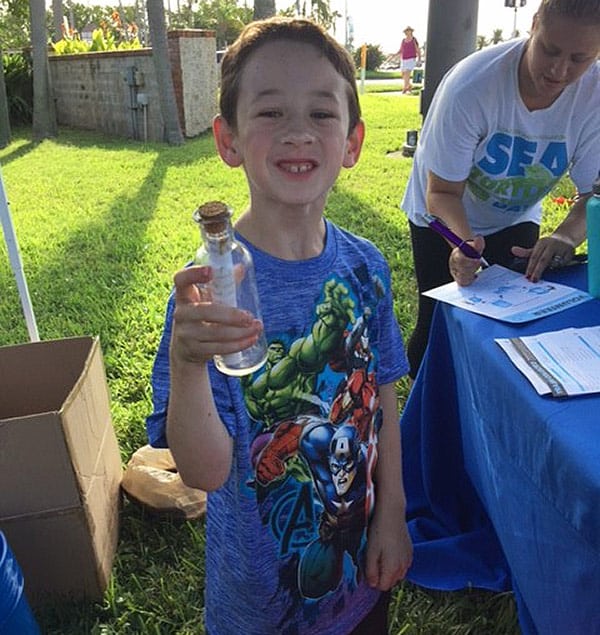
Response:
column 301, row 30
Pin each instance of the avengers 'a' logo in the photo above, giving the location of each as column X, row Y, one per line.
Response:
column 292, row 519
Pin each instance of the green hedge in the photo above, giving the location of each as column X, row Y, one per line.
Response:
column 18, row 78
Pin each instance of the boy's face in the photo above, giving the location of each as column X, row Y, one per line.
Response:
column 559, row 52
column 292, row 125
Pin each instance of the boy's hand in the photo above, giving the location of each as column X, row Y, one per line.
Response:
column 389, row 550
column 202, row 328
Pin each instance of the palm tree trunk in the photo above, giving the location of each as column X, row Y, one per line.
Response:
column 4, row 119
column 44, row 109
column 57, row 19
column 264, row 9
column 164, row 77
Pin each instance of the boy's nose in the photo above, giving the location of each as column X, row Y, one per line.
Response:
column 297, row 136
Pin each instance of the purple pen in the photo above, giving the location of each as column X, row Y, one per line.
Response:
column 438, row 225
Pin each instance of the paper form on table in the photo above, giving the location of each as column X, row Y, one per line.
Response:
column 506, row 295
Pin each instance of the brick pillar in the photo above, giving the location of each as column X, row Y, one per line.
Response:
column 192, row 53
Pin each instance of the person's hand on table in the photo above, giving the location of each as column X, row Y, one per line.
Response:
column 549, row 252
column 462, row 268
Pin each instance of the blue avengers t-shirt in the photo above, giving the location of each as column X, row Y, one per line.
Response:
column 286, row 534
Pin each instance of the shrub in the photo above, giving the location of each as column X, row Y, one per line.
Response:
column 112, row 35
column 375, row 57
column 101, row 41
column 18, row 78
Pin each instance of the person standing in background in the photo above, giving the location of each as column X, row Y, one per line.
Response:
column 410, row 56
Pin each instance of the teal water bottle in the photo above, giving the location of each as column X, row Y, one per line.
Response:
column 592, row 214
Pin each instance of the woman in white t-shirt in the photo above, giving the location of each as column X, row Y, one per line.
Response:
column 505, row 124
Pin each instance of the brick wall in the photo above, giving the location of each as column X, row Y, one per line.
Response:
column 116, row 92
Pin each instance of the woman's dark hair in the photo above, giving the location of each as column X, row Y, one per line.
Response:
column 583, row 10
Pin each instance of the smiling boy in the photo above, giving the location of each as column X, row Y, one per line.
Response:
column 306, row 527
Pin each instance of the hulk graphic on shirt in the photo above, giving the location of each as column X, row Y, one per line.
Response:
column 286, row 386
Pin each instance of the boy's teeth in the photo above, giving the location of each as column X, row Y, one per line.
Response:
column 299, row 167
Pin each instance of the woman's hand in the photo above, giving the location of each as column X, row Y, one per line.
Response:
column 548, row 252
column 462, row 268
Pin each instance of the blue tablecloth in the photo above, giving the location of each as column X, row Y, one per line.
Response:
column 503, row 485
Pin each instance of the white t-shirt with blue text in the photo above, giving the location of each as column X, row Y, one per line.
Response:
column 479, row 129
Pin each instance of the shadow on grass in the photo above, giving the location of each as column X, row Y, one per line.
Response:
column 20, row 151
column 100, row 257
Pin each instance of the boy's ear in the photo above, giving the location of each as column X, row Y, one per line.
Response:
column 225, row 141
column 354, row 145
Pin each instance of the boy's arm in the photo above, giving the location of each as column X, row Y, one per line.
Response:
column 389, row 547
column 198, row 439
column 199, row 442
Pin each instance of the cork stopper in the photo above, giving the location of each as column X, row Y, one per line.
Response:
column 214, row 216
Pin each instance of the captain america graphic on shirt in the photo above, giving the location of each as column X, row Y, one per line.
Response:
column 316, row 408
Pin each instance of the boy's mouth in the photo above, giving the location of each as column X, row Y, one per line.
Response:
column 297, row 167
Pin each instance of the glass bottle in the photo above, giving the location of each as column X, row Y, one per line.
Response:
column 233, row 282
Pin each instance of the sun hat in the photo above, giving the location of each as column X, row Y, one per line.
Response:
column 408, row 28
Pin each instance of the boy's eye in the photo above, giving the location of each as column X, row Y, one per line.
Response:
column 322, row 114
column 269, row 113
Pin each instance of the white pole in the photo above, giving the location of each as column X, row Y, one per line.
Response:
column 15, row 260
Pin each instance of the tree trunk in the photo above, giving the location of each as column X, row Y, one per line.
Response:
column 264, row 9
column 4, row 119
column 57, row 19
column 44, row 109
column 164, row 77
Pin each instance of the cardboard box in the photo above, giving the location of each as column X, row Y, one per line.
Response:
column 60, row 467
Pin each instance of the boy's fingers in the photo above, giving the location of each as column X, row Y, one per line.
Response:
column 186, row 280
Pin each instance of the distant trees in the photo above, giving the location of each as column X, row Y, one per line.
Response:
column 496, row 38
column 225, row 17
column 482, row 42
column 318, row 10
column 15, row 31
column 375, row 57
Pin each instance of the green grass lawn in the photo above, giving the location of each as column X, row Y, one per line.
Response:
column 102, row 225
